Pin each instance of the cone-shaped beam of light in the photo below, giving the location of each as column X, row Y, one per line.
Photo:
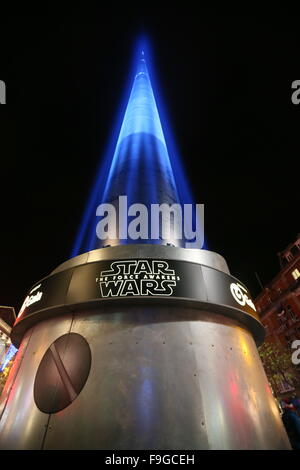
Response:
column 140, row 168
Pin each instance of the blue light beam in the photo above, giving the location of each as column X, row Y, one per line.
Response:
column 140, row 167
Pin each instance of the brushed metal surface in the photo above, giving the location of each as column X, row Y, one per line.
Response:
column 163, row 376
column 23, row 425
column 205, row 257
column 163, row 379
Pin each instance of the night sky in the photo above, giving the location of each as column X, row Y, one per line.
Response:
column 226, row 85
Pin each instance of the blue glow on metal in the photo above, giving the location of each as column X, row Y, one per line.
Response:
column 140, row 167
column 8, row 357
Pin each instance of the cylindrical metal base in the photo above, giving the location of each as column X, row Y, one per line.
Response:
column 178, row 371
column 161, row 378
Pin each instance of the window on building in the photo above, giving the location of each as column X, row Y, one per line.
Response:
column 294, row 250
column 296, row 274
column 291, row 313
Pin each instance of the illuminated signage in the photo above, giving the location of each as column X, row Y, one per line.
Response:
column 31, row 299
column 137, row 277
column 117, row 280
column 240, row 294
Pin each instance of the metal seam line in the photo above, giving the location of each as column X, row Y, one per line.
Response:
column 63, row 373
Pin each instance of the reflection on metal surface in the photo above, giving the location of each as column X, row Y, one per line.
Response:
column 161, row 378
column 23, row 425
column 205, row 257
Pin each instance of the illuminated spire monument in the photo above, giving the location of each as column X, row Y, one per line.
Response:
column 141, row 166
column 140, row 169
column 146, row 345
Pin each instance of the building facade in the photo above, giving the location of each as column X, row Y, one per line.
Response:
column 279, row 302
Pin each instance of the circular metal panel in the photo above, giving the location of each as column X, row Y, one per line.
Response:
column 62, row 373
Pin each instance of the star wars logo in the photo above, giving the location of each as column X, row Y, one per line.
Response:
column 137, row 278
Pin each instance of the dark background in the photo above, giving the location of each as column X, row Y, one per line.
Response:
column 226, row 83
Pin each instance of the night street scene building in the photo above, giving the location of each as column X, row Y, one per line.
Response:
column 278, row 305
column 139, row 344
